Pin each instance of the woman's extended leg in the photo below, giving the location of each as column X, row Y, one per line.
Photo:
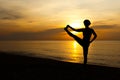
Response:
column 79, row 40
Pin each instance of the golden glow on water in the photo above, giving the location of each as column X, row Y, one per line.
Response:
column 75, row 46
column 76, row 53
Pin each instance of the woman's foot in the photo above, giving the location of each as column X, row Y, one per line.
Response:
column 66, row 27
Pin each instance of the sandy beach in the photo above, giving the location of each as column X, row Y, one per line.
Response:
column 19, row 67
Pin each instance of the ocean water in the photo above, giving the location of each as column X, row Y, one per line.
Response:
column 106, row 53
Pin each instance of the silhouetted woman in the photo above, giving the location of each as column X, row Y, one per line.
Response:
column 85, row 42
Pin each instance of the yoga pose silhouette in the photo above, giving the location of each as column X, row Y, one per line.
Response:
column 85, row 42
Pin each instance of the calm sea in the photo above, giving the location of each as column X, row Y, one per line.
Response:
column 105, row 53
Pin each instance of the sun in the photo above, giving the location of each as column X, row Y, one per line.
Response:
column 76, row 25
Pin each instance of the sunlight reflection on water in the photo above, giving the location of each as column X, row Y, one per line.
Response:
column 100, row 52
column 75, row 52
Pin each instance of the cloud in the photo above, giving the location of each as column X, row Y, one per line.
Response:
column 10, row 14
column 57, row 34
column 105, row 26
column 44, row 35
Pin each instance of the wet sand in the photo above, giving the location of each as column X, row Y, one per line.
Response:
column 21, row 67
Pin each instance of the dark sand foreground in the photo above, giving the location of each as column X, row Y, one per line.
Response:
column 18, row 67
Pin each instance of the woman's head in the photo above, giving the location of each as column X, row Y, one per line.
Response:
column 87, row 23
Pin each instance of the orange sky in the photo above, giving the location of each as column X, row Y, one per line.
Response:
column 45, row 19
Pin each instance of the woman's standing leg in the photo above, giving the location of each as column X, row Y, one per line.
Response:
column 85, row 54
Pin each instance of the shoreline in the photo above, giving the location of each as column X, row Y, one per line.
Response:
column 20, row 67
